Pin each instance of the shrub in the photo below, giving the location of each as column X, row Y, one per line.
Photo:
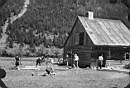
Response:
column 3, row 52
column 113, row 1
column 18, row 50
column 127, row 66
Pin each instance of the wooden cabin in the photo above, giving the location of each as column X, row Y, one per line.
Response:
column 90, row 37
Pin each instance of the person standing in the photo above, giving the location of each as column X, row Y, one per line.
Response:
column 43, row 58
column 17, row 62
column 76, row 60
column 67, row 60
column 100, row 61
column 38, row 62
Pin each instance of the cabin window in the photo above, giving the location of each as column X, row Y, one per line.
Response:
column 81, row 38
column 76, row 39
column 113, row 1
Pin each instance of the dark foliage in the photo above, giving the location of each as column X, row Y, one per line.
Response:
column 54, row 17
column 2, row 2
column 127, row 66
column 113, row 1
column 129, row 16
column 126, row 2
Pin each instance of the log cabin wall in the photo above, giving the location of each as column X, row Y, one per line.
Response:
column 80, row 43
column 110, row 52
column 89, row 38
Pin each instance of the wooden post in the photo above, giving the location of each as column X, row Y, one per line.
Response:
column 71, row 57
column 85, row 38
column 67, row 60
column 129, row 54
column 109, row 54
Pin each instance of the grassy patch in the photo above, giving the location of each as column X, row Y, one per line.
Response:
column 71, row 78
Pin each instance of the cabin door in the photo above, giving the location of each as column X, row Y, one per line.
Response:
column 127, row 55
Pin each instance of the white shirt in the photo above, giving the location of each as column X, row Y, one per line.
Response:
column 100, row 58
column 76, row 58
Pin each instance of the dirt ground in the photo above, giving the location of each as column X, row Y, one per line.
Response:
column 72, row 78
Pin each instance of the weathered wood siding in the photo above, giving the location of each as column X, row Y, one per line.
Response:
column 74, row 37
column 72, row 45
column 89, row 50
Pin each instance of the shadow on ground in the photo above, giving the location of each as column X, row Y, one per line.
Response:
column 115, row 71
column 128, row 86
column 2, row 75
column 2, row 84
column 60, row 69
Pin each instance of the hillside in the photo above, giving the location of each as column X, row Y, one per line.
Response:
column 47, row 23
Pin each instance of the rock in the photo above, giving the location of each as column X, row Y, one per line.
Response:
column 2, row 73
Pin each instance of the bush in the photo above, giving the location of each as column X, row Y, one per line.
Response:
column 113, row 1
column 3, row 52
column 127, row 66
column 18, row 50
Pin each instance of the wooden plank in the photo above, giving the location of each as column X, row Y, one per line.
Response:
column 96, row 32
column 107, row 33
column 116, row 33
column 88, row 30
column 125, row 32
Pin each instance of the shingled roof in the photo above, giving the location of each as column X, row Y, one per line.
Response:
column 106, row 31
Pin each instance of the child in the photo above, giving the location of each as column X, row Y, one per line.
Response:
column 38, row 62
column 76, row 59
column 17, row 62
column 100, row 61
column 67, row 61
column 49, row 69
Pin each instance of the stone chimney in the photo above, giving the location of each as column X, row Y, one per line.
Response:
column 90, row 15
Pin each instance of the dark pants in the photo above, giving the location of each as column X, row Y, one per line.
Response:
column 75, row 63
column 99, row 64
column 17, row 63
column 38, row 62
column 49, row 70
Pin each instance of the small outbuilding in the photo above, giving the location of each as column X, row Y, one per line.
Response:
column 91, row 37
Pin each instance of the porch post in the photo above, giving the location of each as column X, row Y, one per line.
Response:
column 84, row 38
column 129, row 54
column 109, row 53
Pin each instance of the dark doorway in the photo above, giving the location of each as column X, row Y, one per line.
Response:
column 127, row 56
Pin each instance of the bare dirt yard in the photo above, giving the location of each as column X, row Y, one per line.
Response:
column 80, row 78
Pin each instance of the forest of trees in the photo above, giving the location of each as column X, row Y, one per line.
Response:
column 47, row 23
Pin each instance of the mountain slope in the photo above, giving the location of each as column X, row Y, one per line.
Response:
column 10, row 20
